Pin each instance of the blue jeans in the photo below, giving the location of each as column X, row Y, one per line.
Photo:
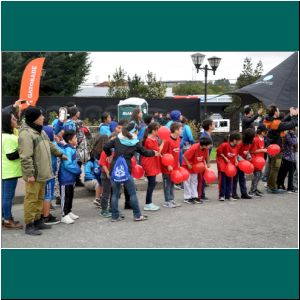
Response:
column 239, row 177
column 130, row 187
column 150, row 189
column 225, row 185
column 8, row 193
column 168, row 188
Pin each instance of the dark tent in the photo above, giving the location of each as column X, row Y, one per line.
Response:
column 279, row 86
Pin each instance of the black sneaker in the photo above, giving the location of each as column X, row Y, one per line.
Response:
column 257, row 194
column 292, row 191
column 58, row 200
column 189, row 201
column 39, row 224
column 246, row 196
column 258, row 191
column 32, row 230
column 236, row 197
column 205, row 199
column 51, row 220
column 197, row 201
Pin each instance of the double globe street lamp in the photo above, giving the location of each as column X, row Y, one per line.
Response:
column 214, row 62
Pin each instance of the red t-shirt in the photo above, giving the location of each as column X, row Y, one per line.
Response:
column 228, row 151
column 258, row 143
column 195, row 155
column 151, row 165
column 103, row 160
column 171, row 146
column 243, row 150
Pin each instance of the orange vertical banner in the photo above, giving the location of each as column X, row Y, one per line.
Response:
column 30, row 84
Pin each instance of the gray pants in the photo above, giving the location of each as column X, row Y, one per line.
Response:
column 267, row 168
column 168, row 188
column 106, row 185
column 255, row 180
column 295, row 178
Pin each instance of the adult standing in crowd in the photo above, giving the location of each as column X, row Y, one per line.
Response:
column 249, row 117
column 11, row 168
column 35, row 154
column 276, row 132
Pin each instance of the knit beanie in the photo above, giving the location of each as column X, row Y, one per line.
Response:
column 32, row 114
column 175, row 115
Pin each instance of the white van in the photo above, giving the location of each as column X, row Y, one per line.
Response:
column 221, row 125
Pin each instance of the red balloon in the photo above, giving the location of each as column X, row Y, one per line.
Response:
column 258, row 162
column 273, row 149
column 176, row 176
column 209, row 176
column 133, row 161
column 167, row 160
column 137, row 172
column 230, row 170
column 185, row 173
column 198, row 168
column 164, row 133
column 246, row 166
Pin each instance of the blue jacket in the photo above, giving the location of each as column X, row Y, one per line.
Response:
column 58, row 126
column 187, row 136
column 69, row 125
column 89, row 171
column 104, row 129
column 69, row 169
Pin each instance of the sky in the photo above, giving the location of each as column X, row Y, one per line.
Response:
column 176, row 65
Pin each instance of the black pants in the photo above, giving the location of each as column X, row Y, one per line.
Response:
column 287, row 168
column 67, row 195
column 150, row 189
column 78, row 177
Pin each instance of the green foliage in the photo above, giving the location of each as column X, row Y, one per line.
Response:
column 195, row 129
column 65, row 72
column 51, row 116
column 134, row 86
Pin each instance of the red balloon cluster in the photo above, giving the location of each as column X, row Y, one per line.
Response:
column 167, row 159
column 273, row 149
column 185, row 173
column 133, row 161
column 164, row 133
column 209, row 176
column 176, row 176
column 230, row 170
column 198, row 168
column 246, row 166
column 137, row 172
column 258, row 162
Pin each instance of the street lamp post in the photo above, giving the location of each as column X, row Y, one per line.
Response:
column 214, row 62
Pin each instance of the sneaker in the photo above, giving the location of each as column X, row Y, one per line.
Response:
column 105, row 213
column 151, row 206
column 229, row 198
column 254, row 195
column 97, row 202
column 11, row 224
column 275, row 191
column 117, row 220
column 189, row 201
column 205, row 199
column 169, row 204
column 246, row 196
column 258, row 191
column 222, row 199
column 235, row 197
column 51, row 220
column 175, row 203
column 178, row 187
column 73, row 216
column 198, row 201
column 67, row 220
column 32, row 230
column 292, row 192
column 258, row 195
column 39, row 224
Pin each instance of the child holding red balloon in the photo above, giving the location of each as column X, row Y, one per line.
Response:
column 195, row 159
column 227, row 152
column 171, row 146
column 258, row 151
column 151, row 165
column 243, row 154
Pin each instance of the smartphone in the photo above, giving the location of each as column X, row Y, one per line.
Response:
column 62, row 114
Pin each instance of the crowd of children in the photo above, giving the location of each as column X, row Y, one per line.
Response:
column 44, row 154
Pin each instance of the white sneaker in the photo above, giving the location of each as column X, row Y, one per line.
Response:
column 169, row 204
column 67, row 220
column 151, row 206
column 73, row 216
column 175, row 203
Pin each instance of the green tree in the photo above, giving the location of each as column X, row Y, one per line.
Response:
column 185, row 89
column 136, row 87
column 65, row 72
column 155, row 89
column 118, row 87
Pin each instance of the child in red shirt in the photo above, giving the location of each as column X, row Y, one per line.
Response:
column 257, row 149
column 227, row 152
column 151, row 165
column 194, row 186
column 171, row 146
column 244, row 153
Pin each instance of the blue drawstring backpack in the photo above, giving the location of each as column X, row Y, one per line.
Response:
column 120, row 171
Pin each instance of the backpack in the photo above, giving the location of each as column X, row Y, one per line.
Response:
column 120, row 173
column 83, row 151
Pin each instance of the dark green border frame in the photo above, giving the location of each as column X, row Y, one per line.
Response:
column 150, row 26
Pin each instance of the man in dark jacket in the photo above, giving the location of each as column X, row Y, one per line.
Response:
column 249, row 117
column 277, row 128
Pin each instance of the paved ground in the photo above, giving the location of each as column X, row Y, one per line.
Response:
column 270, row 222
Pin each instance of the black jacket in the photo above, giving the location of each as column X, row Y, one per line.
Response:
column 248, row 122
column 126, row 151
